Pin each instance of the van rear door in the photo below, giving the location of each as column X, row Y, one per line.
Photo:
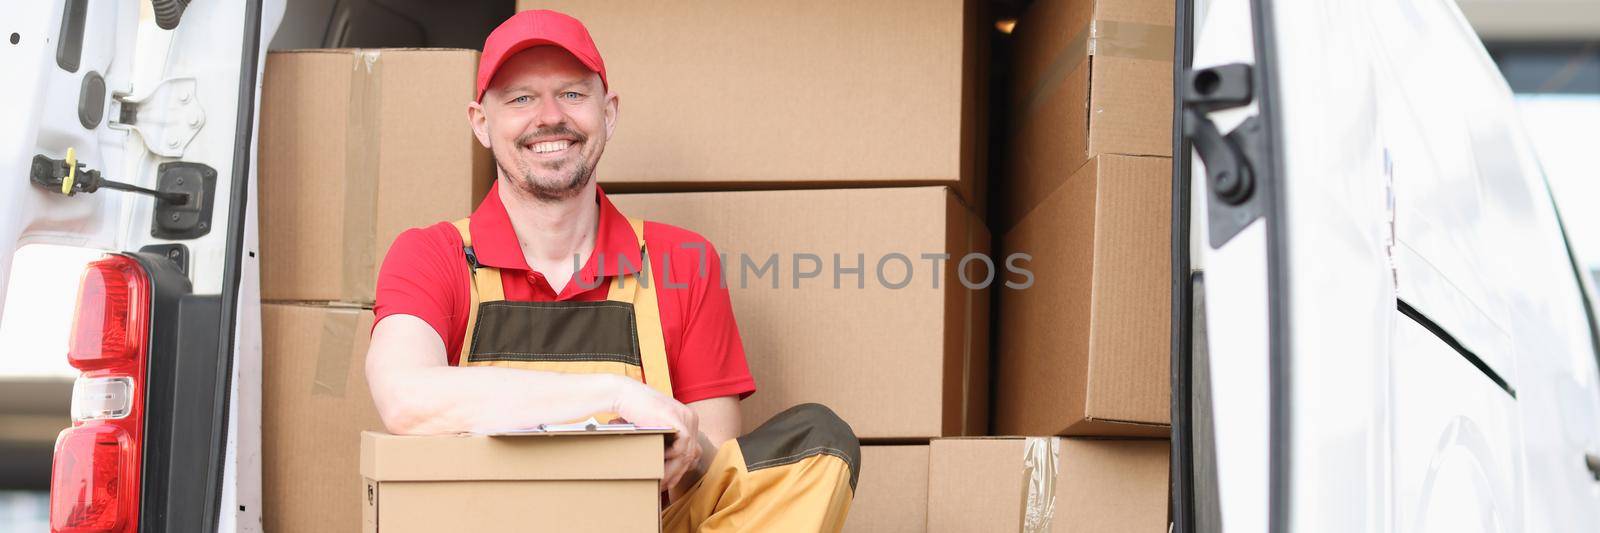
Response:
column 1389, row 331
column 130, row 128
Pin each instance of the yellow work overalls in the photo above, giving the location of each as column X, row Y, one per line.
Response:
column 797, row 472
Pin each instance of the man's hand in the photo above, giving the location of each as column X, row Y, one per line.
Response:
column 642, row 405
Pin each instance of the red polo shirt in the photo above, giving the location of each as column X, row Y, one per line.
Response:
column 425, row 275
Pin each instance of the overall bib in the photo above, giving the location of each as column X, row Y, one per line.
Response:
column 797, row 472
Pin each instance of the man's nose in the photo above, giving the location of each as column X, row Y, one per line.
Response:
column 550, row 112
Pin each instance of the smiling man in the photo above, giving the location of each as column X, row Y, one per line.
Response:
column 548, row 305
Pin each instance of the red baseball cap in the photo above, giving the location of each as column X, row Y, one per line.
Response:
column 539, row 27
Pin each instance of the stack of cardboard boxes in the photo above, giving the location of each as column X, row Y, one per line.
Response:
column 349, row 159
column 1083, row 353
column 843, row 143
column 1089, row 196
column 833, row 152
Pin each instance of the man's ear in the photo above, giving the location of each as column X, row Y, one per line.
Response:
column 479, row 122
column 612, row 103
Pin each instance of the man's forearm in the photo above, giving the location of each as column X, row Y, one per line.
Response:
column 435, row 400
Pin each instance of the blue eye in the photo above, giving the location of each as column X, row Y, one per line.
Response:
column 570, row 95
column 520, row 99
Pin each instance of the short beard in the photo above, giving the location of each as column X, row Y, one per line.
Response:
column 576, row 180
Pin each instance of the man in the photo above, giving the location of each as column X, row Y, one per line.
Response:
column 536, row 309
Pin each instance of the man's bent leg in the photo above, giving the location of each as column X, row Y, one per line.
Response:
column 797, row 472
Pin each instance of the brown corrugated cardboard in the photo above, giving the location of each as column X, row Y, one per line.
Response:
column 1091, row 77
column 894, row 363
column 1084, row 351
column 314, row 406
column 356, row 147
column 892, row 494
column 785, row 93
column 1049, row 483
column 556, row 482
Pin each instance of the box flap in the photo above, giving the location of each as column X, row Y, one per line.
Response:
column 552, row 456
column 1105, row 427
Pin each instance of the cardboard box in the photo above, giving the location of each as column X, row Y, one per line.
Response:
column 1085, row 350
column 314, row 406
column 898, row 363
column 1091, row 77
column 725, row 94
column 1047, row 484
column 548, row 482
column 356, row 147
column 892, row 492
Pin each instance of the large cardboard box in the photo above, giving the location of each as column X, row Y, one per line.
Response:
column 533, row 482
column 356, row 147
column 1091, row 77
column 907, row 362
column 1047, row 484
column 892, row 492
column 314, row 406
column 1084, row 351
column 726, row 94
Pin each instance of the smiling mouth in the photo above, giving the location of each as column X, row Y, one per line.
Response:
column 550, row 147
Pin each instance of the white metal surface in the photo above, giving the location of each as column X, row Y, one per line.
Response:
column 122, row 43
column 1338, row 230
column 1406, row 178
column 40, row 103
column 136, row 57
column 241, row 503
column 1236, row 301
column 1455, row 470
column 241, row 490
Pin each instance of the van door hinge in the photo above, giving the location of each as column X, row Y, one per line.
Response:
column 167, row 117
column 1233, row 161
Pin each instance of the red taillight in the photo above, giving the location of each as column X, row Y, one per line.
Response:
column 94, row 484
column 89, row 487
column 108, row 328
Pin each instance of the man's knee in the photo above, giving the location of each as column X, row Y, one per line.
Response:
column 801, row 432
column 826, row 424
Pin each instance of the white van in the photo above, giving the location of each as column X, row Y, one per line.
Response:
column 1378, row 323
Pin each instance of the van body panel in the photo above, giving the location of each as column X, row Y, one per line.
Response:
column 1433, row 361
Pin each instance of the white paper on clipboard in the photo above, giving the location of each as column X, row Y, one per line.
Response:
column 587, row 426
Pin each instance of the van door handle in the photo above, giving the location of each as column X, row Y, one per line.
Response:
column 1593, row 462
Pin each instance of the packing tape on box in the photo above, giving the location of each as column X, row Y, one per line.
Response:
column 1137, row 40
column 334, row 352
column 1104, row 38
column 1039, row 473
column 364, row 122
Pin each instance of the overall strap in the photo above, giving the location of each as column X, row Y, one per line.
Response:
column 639, row 289
column 484, row 283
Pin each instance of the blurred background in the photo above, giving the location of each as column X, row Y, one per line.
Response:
column 1548, row 51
